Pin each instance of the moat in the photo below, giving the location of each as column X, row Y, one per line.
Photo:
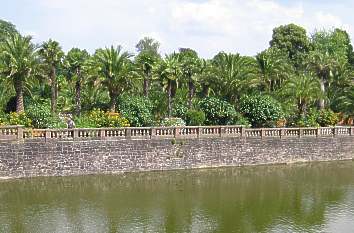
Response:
column 312, row 197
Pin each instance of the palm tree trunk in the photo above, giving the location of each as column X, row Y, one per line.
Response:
column 321, row 102
column 146, row 84
column 302, row 107
column 54, row 90
column 78, row 98
column 205, row 90
column 113, row 101
column 78, row 93
column 190, row 93
column 18, row 84
column 169, row 94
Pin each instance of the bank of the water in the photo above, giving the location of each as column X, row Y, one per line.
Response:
column 58, row 157
column 309, row 197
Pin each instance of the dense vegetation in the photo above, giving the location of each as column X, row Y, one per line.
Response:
column 299, row 80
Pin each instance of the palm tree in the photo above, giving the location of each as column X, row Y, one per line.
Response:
column 206, row 77
column 147, row 58
column 274, row 68
column 115, row 69
column 52, row 55
column 145, row 62
column 74, row 63
column 235, row 74
column 169, row 71
column 303, row 89
column 190, row 67
column 18, row 62
column 322, row 65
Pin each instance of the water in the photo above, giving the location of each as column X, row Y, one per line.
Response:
column 296, row 198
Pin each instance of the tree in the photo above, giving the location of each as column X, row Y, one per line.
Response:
column 235, row 74
column 291, row 39
column 304, row 89
column 52, row 55
column 17, row 63
column 206, row 77
column 261, row 110
column 330, row 52
column 74, row 63
column 169, row 71
column 6, row 29
column 274, row 68
column 116, row 71
column 148, row 57
column 190, row 67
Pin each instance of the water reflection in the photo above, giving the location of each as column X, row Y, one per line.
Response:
column 309, row 197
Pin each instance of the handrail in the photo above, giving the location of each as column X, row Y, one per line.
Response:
column 19, row 132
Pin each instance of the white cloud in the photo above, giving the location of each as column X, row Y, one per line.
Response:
column 206, row 25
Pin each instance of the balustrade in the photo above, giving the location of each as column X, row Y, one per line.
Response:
column 18, row 132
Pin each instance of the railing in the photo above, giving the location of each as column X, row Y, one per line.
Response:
column 18, row 132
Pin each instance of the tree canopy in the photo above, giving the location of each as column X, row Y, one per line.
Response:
column 299, row 76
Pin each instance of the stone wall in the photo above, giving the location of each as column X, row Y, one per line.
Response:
column 38, row 157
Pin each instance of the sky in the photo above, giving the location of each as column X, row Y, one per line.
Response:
column 208, row 26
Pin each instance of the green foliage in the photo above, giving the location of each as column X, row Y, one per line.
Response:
column 261, row 110
column 18, row 61
column 303, row 72
column 115, row 69
column 239, row 119
column 42, row 118
column 218, row 112
column 137, row 109
column 235, row 75
column 315, row 118
column 98, row 118
column 172, row 122
column 291, row 39
column 2, row 119
column 327, row 117
column 180, row 110
column 308, row 120
column 195, row 117
column 6, row 29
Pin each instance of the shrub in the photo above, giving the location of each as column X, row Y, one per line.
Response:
column 116, row 120
column 218, row 112
column 172, row 122
column 2, row 119
column 19, row 119
column 180, row 110
column 327, row 117
column 308, row 120
column 42, row 118
column 138, row 110
column 261, row 110
column 98, row 118
column 239, row 119
column 195, row 117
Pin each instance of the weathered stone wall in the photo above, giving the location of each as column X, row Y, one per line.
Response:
column 62, row 158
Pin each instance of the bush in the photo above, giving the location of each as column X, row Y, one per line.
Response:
column 138, row 110
column 239, row 119
column 195, row 117
column 19, row 119
column 2, row 119
column 218, row 112
column 180, row 110
column 327, row 117
column 308, row 120
column 172, row 122
column 42, row 118
column 98, row 118
column 261, row 111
